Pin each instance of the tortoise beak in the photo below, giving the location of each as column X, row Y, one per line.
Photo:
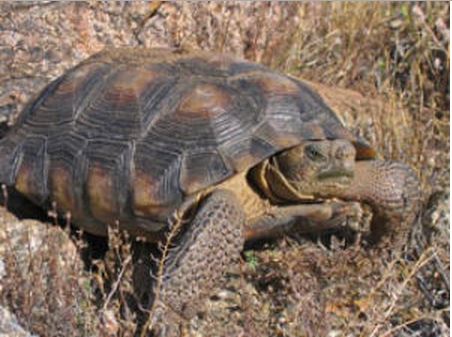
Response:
column 336, row 173
column 342, row 165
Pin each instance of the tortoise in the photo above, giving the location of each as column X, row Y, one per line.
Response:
column 237, row 151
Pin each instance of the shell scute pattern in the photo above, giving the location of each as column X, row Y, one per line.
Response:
column 32, row 171
column 130, row 133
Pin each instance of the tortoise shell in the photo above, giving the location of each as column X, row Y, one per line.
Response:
column 128, row 134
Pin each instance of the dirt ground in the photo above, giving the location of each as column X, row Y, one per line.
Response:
column 384, row 67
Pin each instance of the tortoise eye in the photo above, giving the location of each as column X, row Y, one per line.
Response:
column 314, row 154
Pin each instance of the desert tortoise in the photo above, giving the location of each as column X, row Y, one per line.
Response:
column 133, row 136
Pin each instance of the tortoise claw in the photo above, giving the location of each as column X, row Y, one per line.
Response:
column 351, row 215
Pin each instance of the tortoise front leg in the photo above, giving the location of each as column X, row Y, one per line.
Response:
column 305, row 218
column 392, row 189
column 195, row 266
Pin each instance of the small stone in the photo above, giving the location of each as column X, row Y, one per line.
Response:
column 111, row 324
column 10, row 327
column 335, row 333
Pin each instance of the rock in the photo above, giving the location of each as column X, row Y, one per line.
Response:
column 42, row 280
column 25, row 239
column 10, row 327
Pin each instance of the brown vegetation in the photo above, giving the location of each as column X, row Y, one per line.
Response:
column 384, row 67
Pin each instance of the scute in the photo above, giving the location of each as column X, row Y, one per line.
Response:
column 129, row 133
column 154, row 179
column 245, row 153
column 10, row 155
column 31, row 179
column 106, row 166
column 204, row 101
column 194, row 176
column 60, row 102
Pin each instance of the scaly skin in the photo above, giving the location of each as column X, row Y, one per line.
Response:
column 328, row 169
column 195, row 266
column 392, row 189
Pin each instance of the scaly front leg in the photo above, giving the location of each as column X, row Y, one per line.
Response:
column 304, row 218
column 196, row 265
column 392, row 189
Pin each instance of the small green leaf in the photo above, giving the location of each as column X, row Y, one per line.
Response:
column 251, row 259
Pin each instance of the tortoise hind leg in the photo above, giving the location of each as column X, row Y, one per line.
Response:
column 212, row 242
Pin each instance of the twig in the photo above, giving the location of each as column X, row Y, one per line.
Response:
column 419, row 264
column 175, row 228
column 117, row 282
column 405, row 324
column 440, row 269
column 422, row 18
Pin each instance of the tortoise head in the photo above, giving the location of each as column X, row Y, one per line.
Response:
column 315, row 168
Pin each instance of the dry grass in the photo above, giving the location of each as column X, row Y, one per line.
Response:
column 395, row 58
column 43, row 281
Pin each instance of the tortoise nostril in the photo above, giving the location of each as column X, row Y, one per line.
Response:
column 343, row 152
column 349, row 166
column 340, row 152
